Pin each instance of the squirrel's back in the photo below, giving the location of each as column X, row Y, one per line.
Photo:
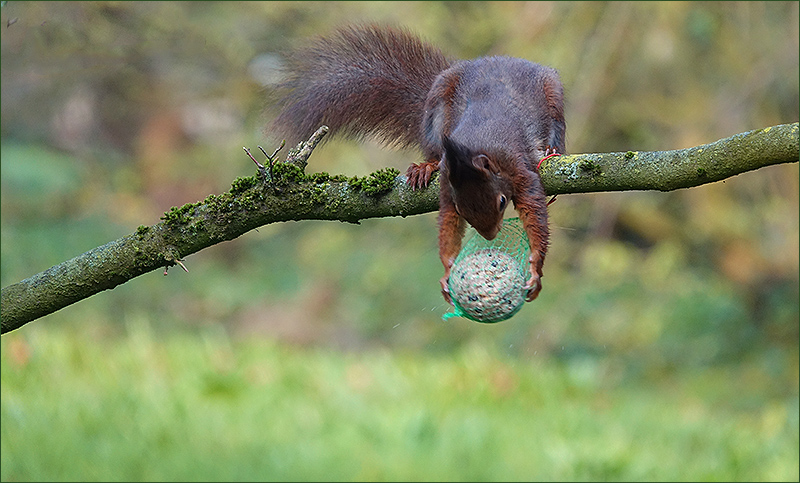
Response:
column 500, row 101
column 361, row 81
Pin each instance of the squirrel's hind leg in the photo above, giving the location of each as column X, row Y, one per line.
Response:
column 419, row 175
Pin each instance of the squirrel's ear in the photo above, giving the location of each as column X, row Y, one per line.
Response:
column 462, row 164
column 484, row 164
column 453, row 152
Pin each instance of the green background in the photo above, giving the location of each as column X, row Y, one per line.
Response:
column 664, row 344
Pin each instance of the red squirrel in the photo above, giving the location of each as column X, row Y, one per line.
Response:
column 485, row 124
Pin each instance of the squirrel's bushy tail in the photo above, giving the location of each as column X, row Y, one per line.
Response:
column 361, row 81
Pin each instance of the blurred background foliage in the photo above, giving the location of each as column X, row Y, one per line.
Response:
column 112, row 112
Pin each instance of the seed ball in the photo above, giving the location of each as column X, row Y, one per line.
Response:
column 487, row 285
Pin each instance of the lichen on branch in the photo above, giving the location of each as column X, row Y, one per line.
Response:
column 285, row 192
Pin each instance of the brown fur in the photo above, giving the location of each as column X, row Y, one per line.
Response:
column 484, row 123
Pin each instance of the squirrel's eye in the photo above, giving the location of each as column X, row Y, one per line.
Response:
column 502, row 202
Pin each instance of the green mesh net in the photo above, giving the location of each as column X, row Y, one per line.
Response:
column 487, row 279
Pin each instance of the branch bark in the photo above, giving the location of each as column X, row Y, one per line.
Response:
column 286, row 193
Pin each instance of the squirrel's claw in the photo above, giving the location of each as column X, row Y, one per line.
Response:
column 412, row 173
column 419, row 175
column 534, row 286
column 445, row 289
column 549, row 152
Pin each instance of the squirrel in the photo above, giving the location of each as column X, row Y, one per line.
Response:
column 484, row 124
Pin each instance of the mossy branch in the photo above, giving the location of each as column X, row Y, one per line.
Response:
column 286, row 193
column 670, row 170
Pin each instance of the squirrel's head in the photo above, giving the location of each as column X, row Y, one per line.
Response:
column 479, row 191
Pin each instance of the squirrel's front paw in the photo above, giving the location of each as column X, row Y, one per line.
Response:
column 534, row 286
column 419, row 175
column 445, row 289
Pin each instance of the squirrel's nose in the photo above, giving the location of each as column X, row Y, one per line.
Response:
column 489, row 234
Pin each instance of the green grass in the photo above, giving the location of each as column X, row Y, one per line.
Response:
column 149, row 406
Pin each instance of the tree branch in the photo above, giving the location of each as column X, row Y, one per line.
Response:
column 670, row 170
column 284, row 192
